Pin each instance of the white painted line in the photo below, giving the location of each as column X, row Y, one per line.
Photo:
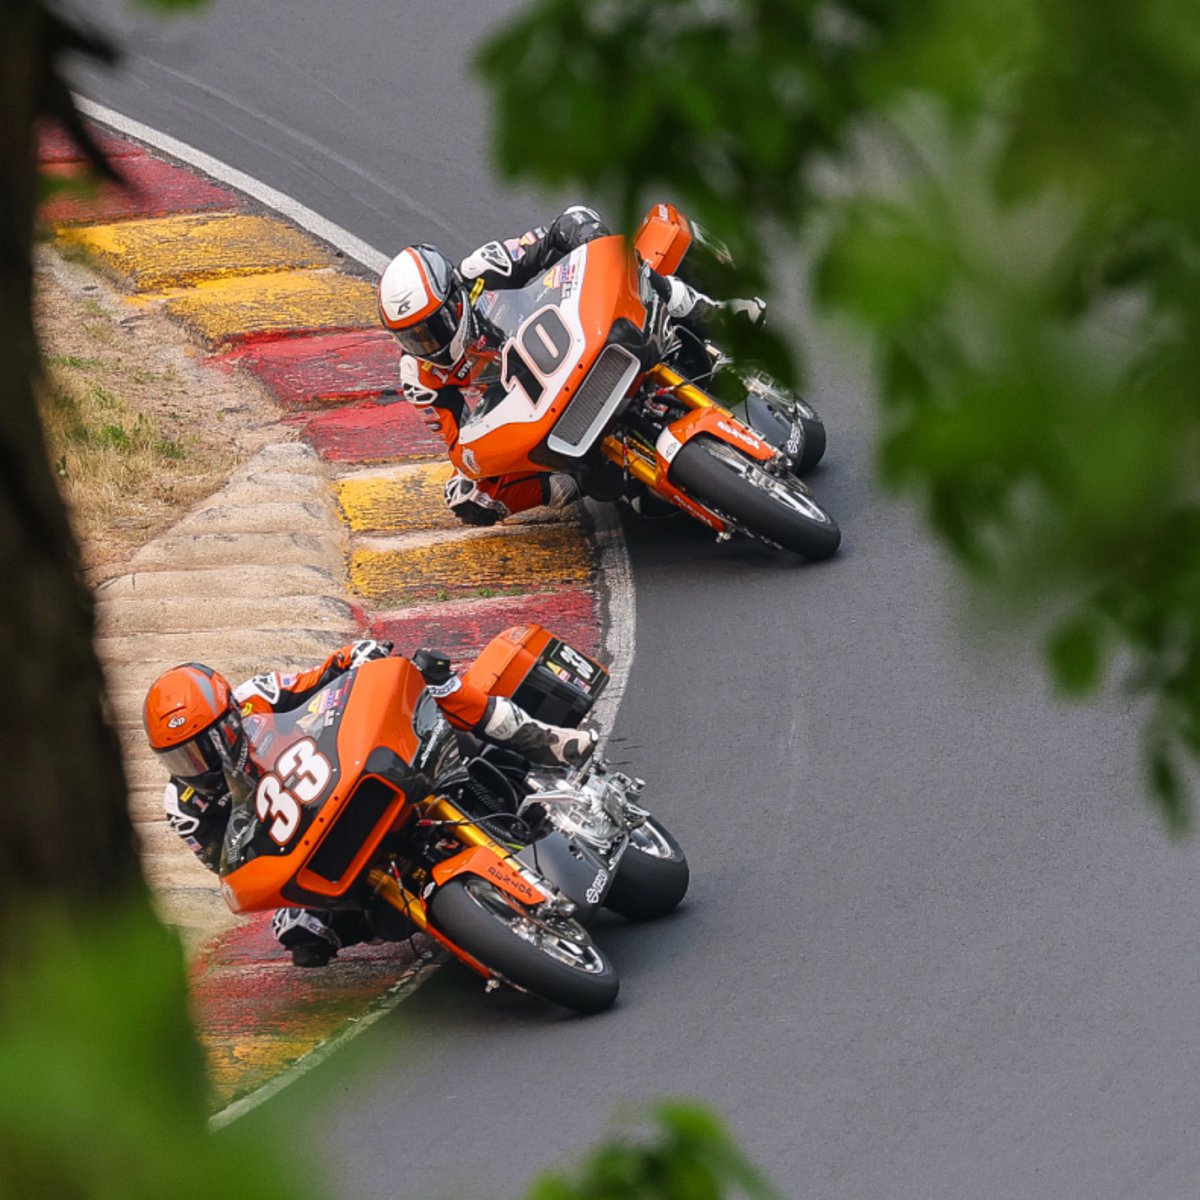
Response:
column 293, row 210
column 401, row 990
column 615, row 573
column 620, row 632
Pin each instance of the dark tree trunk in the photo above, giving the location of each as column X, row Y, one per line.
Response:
column 65, row 834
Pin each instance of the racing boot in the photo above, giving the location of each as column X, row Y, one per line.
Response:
column 550, row 745
column 560, row 490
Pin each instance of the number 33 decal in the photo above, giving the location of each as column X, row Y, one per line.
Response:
column 309, row 771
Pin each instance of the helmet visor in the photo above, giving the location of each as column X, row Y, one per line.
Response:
column 207, row 753
column 432, row 337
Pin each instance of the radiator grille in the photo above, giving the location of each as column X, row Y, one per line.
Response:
column 598, row 396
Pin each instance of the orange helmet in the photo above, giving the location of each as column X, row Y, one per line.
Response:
column 194, row 727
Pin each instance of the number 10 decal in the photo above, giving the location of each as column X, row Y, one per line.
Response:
column 537, row 350
column 309, row 770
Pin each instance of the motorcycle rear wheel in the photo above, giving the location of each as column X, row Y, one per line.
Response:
column 551, row 957
column 652, row 876
column 775, row 508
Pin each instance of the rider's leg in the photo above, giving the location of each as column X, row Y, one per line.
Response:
column 499, row 719
column 698, row 311
column 510, row 725
column 315, row 936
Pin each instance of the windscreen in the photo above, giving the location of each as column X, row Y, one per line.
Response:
column 293, row 770
column 506, row 311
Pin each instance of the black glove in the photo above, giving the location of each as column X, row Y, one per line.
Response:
column 434, row 666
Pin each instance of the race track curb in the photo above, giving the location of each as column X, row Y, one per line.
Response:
column 337, row 531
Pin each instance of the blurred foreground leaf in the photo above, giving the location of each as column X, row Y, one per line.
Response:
column 104, row 1092
column 1000, row 195
column 689, row 1156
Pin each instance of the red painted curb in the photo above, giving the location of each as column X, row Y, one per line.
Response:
column 462, row 629
column 152, row 188
column 54, row 146
column 371, row 433
column 252, row 1007
column 321, row 369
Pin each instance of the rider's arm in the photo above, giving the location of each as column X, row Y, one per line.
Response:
column 517, row 261
column 466, row 706
column 199, row 820
column 440, row 403
column 274, row 692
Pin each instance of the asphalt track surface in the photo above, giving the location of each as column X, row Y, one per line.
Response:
column 935, row 946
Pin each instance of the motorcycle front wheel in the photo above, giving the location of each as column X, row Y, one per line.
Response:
column 775, row 508
column 652, row 876
column 550, row 956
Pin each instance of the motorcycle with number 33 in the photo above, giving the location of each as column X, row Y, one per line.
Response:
column 367, row 798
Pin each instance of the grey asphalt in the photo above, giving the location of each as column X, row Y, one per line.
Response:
column 936, row 945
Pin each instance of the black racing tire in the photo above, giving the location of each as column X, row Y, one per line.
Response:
column 814, row 443
column 553, row 958
column 775, row 508
column 652, row 876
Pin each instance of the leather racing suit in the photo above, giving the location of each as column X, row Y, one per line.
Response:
column 445, row 397
column 200, row 819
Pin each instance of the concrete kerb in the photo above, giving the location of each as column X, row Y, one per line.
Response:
column 257, row 591
column 271, row 548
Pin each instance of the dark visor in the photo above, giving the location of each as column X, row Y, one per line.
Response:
column 432, row 335
column 206, row 753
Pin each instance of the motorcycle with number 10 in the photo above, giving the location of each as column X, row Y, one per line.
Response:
column 367, row 798
column 594, row 378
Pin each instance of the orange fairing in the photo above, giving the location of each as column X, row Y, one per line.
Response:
column 479, row 860
column 664, row 238
column 507, row 659
column 377, row 715
column 606, row 296
column 717, row 423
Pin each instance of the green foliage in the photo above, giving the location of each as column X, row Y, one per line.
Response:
column 104, row 1095
column 1000, row 194
column 690, row 1157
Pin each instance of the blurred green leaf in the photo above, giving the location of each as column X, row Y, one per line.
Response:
column 1002, row 196
column 673, row 1151
column 105, row 1094
column 1074, row 651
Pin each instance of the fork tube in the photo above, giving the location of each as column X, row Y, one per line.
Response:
column 465, row 830
column 634, row 464
column 398, row 896
column 689, row 393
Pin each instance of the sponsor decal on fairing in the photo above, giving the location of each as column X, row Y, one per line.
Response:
column 743, row 437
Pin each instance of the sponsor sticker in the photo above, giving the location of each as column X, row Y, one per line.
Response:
column 741, row 435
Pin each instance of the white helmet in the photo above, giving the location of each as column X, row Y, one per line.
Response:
column 423, row 302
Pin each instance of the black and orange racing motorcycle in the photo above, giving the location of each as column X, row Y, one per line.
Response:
column 367, row 798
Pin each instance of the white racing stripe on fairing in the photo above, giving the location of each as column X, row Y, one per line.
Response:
column 616, row 574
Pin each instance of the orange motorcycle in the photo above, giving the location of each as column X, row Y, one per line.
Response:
column 594, row 378
column 367, row 798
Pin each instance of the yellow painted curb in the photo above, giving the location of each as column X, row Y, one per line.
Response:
column 400, row 501
column 537, row 558
column 168, row 252
column 221, row 310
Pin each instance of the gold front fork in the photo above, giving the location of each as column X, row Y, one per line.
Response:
column 645, row 470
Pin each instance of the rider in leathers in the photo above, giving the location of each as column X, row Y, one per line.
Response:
column 428, row 304
column 218, row 721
